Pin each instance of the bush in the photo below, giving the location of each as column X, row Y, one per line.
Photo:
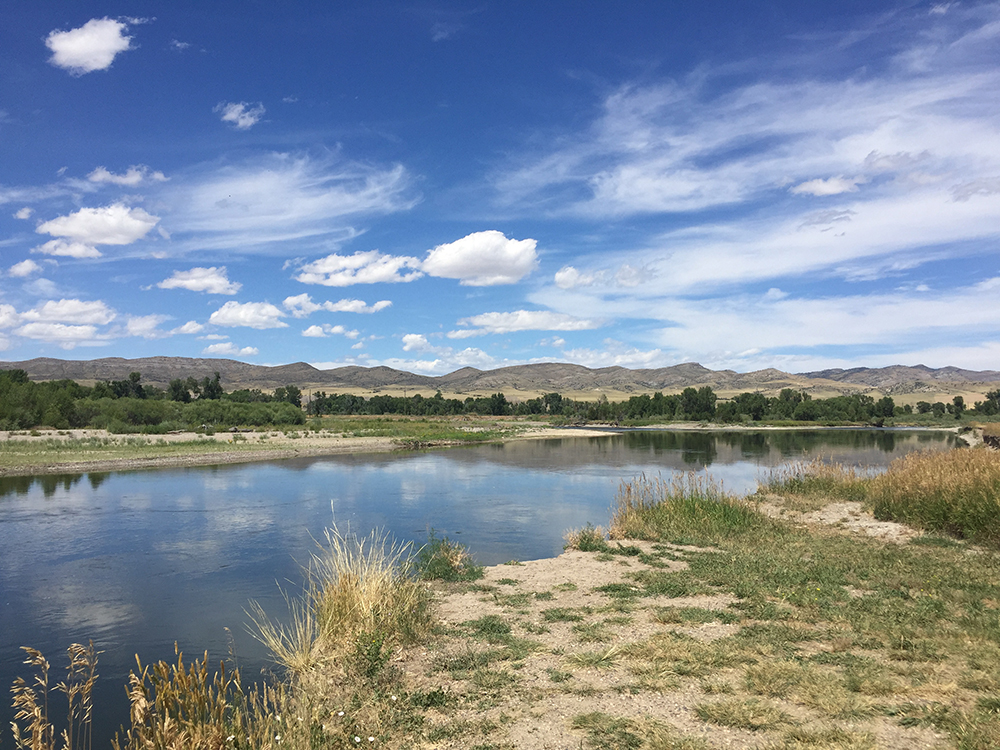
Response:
column 444, row 560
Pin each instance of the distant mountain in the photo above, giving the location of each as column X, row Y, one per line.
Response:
column 545, row 377
column 898, row 374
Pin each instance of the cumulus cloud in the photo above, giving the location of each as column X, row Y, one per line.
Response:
column 356, row 306
column 230, row 349
column 146, row 326
column 416, row 342
column 371, row 267
column 24, row 213
column 483, row 259
column 190, row 327
column 67, row 249
column 259, row 315
column 829, row 186
column 242, row 115
column 302, row 306
column 322, row 331
column 91, row 47
column 568, row 277
column 116, row 224
column 24, row 268
column 66, row 336
column 134, row 175
column 73, row 310
column 521, row 320
column 8, row 316
column 212, row 280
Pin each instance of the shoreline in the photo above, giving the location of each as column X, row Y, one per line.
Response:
column 250, row 447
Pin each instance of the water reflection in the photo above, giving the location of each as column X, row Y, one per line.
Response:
column 139, row 560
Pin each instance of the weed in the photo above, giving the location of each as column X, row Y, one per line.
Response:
column 444, row 560
column 743, row 713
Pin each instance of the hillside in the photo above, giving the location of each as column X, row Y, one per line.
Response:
column 905, row 383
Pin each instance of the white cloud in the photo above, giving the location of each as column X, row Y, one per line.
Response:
column 145, row 326
column 242, row 115
column 521, row 320
column 371, row 267
column 568, row 277
column 73, row 310
column 24, row 213
column 356, row 306
column 616, row 354
column 278, row 198
column 302, row 306
column 212, row 280
column 259, row 315
column 230, row 349
column 134, row 175
column 190, row 327
column 24, row 268
column 41, row 288
column 67, row 249
column 8, row 316
column 829, row 186
column 322, row 331
column 66, row 336
column 415, row 342
column 116, row 224
column 91, row 47
column 483, row 259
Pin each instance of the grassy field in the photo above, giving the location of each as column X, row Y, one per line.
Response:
column 698, row 620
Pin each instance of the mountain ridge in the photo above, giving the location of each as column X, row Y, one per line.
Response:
column 540, row 377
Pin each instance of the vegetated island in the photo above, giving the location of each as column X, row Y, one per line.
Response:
column 64, row 426
column 830, row 609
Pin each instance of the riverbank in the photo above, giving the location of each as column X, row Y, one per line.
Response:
column 84, row 451
column 786, row 625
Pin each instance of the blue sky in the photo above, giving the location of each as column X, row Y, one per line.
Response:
column 431, row 185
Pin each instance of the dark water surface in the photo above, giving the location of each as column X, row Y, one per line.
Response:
column 138, row 560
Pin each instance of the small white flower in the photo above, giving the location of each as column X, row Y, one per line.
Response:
column 340, row 713
column 357, row 739
column 371, row 739
column 394, row 697
column 230, row 738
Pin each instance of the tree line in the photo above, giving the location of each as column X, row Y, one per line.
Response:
column 127, row 405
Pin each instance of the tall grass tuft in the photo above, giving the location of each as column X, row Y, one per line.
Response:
column 817, row 477
column 687, row 509
column 954, row 491
column 353, row 585
column 32, row 726
column 178, row 706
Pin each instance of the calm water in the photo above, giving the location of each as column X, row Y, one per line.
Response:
column 139, row 560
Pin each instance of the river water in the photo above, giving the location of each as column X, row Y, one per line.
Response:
column 137, row 561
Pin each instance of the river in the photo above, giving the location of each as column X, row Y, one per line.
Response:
column 137, row 561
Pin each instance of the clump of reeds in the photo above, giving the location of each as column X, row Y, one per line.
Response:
column 32, row 726
column 688, row 508
column 817, row 478
column 953, row 491
column 441, row 559
column 353, row 585
column 588, row 539
column 178, row 706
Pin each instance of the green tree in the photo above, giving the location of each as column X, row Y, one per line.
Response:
column 957, row 406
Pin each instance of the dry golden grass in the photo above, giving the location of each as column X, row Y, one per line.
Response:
column 353, row 586
column 953, row 491
column 32, row 726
